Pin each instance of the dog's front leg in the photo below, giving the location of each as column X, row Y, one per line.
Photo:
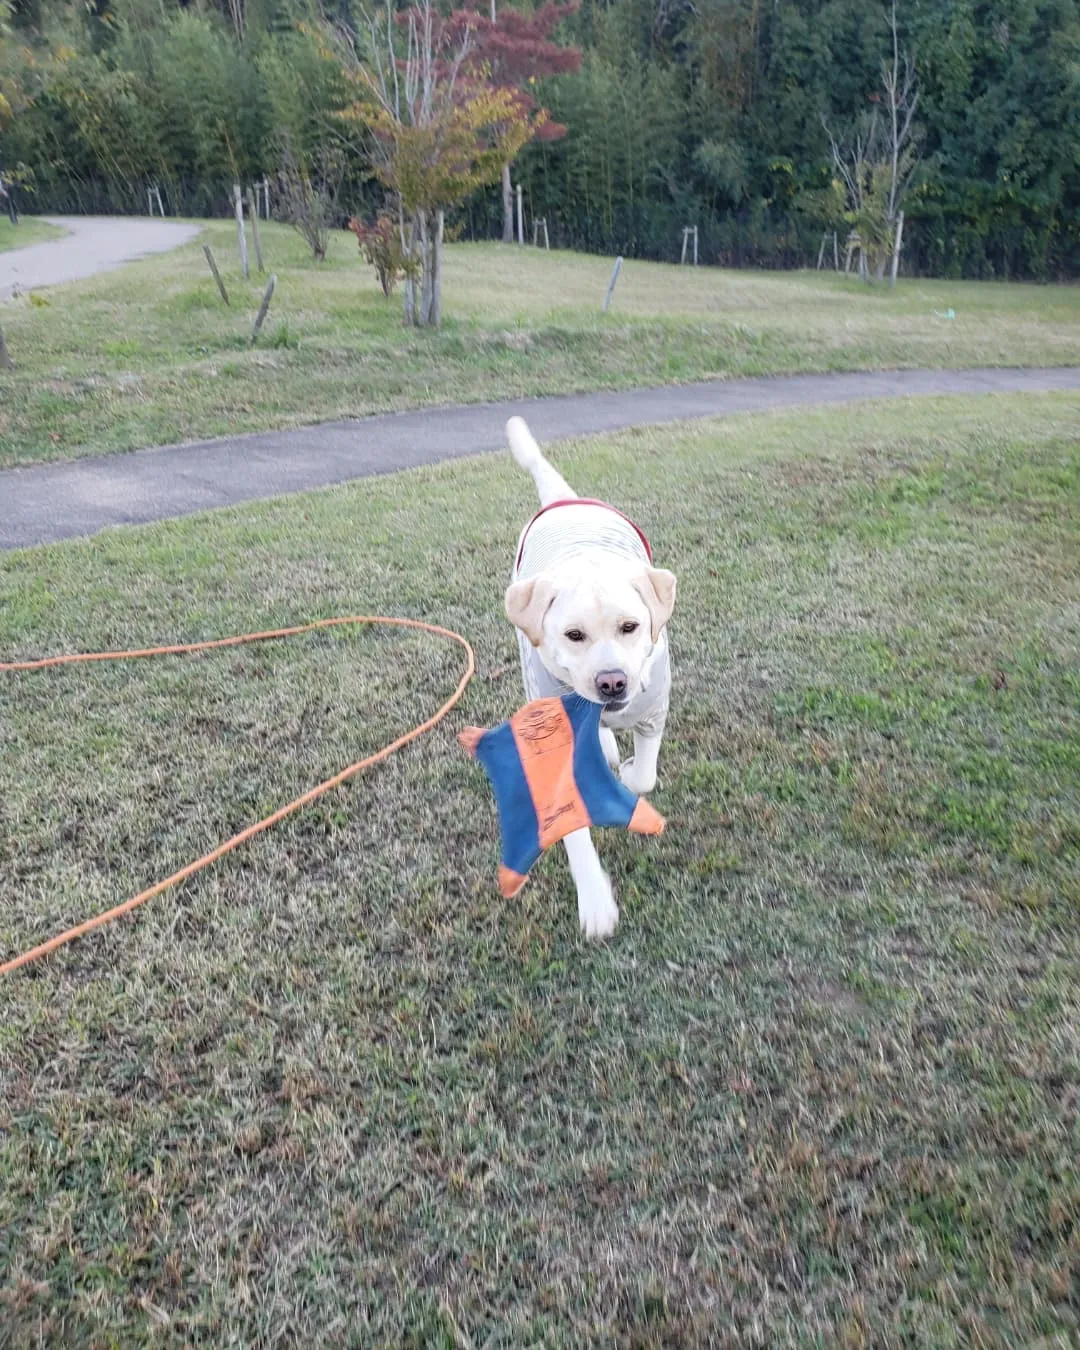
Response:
column 639, row 773
column 610, row 746
column 597, row 911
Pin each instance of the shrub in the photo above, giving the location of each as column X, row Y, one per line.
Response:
column 381, row 245
column 309, row 202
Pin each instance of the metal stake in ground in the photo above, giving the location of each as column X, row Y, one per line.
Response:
column 611, row 283
column 238, row 205
column 268, row 295
column 217, row 274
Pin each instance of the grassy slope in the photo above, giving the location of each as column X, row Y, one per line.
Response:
column 820, row 1088
column 28, row 231
column 150, row 355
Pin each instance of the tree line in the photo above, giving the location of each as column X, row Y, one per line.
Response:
column 724, row 114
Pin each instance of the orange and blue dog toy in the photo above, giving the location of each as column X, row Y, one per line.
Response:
column 550, row 777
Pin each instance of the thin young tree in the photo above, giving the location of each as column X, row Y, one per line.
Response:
column 437, row 129
column 517, row 49
column 876, row 159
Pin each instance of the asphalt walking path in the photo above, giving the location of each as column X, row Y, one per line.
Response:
column 91, row 245
column 44, row 503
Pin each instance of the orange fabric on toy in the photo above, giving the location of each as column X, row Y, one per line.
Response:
column 550, row 778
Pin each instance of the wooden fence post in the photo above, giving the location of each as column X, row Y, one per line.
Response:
column 238, row 206
column 520, row 217
column 6, row 363
column 695, row 245
column 268, row 295
column 217, row 274
column 253, row 212
column 685, row 234
column 611, row 283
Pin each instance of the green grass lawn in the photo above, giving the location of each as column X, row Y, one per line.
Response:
column 28, row 231
column 819, row 1089
column 149, row 355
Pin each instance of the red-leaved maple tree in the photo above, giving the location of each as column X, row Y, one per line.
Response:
column 516, row 49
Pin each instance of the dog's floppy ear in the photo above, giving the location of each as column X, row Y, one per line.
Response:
column 526, row 604
column 657, row 588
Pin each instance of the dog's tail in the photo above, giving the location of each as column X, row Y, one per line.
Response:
column 522, row 443
column 550, row 484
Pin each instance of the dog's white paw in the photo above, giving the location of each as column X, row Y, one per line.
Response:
column 598, row 913
column 610, row 747
column 640, row 782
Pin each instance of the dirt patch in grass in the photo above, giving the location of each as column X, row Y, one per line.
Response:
column 821, row 1086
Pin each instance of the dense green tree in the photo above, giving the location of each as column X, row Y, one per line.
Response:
column 706, row 112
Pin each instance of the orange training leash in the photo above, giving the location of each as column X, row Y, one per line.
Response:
column 61, row 939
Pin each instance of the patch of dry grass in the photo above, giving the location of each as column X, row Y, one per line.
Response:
column 819, row 1089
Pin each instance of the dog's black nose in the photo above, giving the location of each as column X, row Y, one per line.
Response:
column 611, row 685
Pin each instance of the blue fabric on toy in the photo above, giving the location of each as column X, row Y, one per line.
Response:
column 549, row 775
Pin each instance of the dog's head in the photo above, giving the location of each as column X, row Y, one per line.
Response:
column 595, row 628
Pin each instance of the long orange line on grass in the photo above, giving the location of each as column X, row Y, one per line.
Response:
column 99, row 920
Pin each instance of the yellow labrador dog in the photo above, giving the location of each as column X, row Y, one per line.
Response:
column 591, row 613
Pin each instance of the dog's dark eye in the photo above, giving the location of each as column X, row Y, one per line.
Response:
column 575, row 635
column 630, row 627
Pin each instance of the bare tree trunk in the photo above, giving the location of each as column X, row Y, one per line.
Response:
column 431, row 238
column 408, row 243
column 426, row 242
column 435, row 317
column 897, row 242
column 507, row 190
column 508, row 206
column 892, row 81
column 901, row 89
column 424, row 245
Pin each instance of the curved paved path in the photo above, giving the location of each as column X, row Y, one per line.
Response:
column 47, row 502
column 92, row 244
